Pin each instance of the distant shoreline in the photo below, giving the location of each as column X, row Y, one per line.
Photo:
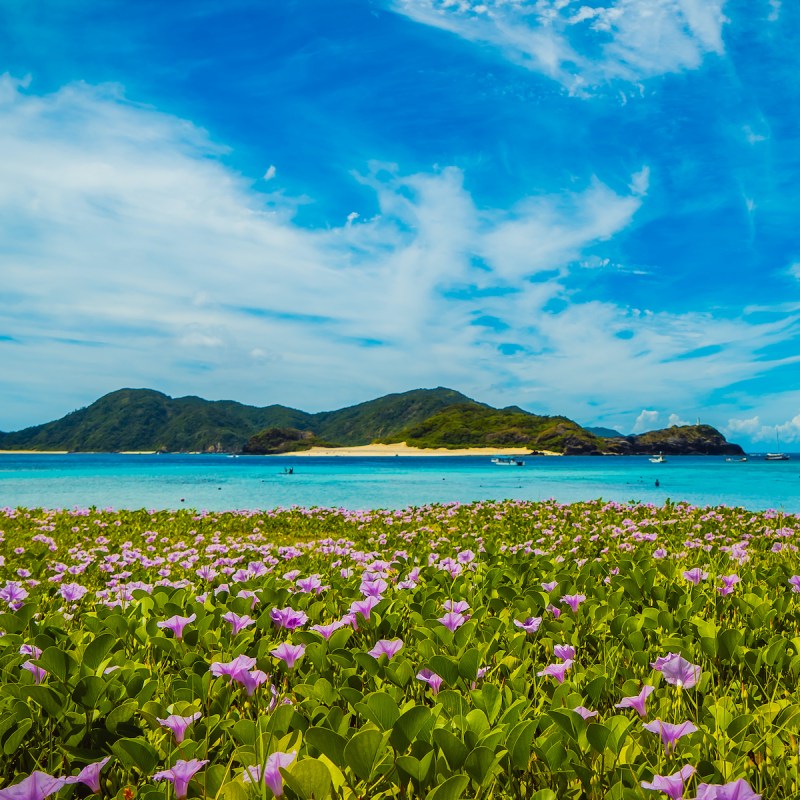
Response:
column 400, row 449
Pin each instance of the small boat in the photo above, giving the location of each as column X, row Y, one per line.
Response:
column 736, row 460
column 659, row 459
column 776, row 457
column 508, row 461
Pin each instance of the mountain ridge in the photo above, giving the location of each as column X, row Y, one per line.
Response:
column 149, row 420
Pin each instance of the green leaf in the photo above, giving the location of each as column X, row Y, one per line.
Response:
column 419, row 769
column 479, row 764
column 17, row 736
column 489, row 700
column 455, row 751
column 327, row 742
column 309, row 779
column 244, row 731
column 136, row 753
column 88, row 691
column 50, row 701
column 121, row 713
column 452, row 789
column 408, row 727
column 598, row 736
column 98, row 649
column 57, row 663
column 445, row 668
column 727, row 642
column 381, row 709
column 519, row 743
column 362, row 753
column 468, row 665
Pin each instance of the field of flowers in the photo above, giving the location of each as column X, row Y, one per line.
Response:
column 495, row 650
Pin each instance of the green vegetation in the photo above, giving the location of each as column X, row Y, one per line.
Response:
column 274, row 441
column 700, row 440
column 473, row 425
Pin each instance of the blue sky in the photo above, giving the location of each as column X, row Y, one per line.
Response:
column 586, row 208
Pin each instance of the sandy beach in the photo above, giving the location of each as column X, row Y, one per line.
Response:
column 403, row 449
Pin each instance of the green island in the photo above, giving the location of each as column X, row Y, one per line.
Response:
column 143, row 420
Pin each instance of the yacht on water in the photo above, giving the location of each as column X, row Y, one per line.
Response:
column 659, row 459
column 508, row 461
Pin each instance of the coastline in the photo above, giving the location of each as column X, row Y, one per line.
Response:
column 402, row 449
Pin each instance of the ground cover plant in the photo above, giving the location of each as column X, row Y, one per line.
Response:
column 493, row 650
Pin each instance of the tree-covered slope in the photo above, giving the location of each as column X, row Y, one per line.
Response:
column 474, row 425
column 701, row 440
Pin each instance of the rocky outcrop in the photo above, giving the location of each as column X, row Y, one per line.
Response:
column 679, row 440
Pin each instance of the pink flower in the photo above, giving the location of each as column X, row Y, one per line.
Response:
column 36, row 786
column 573, row 600
column 548, row 587
column 695, row 575
column 180, row 775
column 233, row 669
column 452, row 620
column 326, row 631
column 637, row 702
column 363, row 607
column 584, row 712
column 386, row 647
column 90, row 775
column 530, row 625
column 737, row 790
column 288, row 618
column 671, row 785
column 564, row 651
column 670, row 733
column 431, row 678
column 39, row 674
column 794, row 582
column 237, row 623
column 460, row 607
column 178, row 725
column 289, row 653
column 677, row 670
column 176, row 624
column 557, row 671
column 271, row 774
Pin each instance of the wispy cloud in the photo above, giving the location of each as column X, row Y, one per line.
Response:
column 121, row 224
column 583, row 46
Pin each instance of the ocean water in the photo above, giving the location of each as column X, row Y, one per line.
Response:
column 218, row 482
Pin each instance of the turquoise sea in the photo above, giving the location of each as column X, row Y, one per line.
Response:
column 218, row 482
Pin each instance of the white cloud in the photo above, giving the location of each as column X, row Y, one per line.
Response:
column 747, row 426
column 270, row 173
column 674, row 419
column 134, row 257
column 647, row 420
column 628, row 40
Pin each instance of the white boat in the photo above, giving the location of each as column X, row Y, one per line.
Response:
column 508, row 461
column 776, row 457
column 736, row 460
column 659, row 459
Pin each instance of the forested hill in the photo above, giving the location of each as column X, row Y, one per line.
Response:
column 146, row 420
column 143, row 419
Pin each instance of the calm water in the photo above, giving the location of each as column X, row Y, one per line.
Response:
column 217, row 482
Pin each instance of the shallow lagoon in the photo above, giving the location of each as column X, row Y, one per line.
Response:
column 218, row 482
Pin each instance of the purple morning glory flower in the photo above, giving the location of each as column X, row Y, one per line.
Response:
column 36, row 786
column 548, row 587
column 586, row 713
column 557, row 671
column 30, row 650
column 39, row 674
column 90, row 775
column 677, row 670
column 363, row 607
column 671, row 785
column 573, row 600
column 271, row 774
column 72, row 592
column 460, row 607
column 289, row 653
column 176, row 624
column 695, row 575
column 237, row 623
column 670, row 733
column 431, row 678
column 738, row 790
column 637, row 702
column 564, row 651
column 233, row 669
column 530, row 625
column 180, row 775
column 386, row 647
column 729, row 581
column 288, row 618
column 178, row 724
column 251, row 680
column 326, row 631
column 794, row 582
column 374, row 588
column 310, row 584
column 452, row 620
